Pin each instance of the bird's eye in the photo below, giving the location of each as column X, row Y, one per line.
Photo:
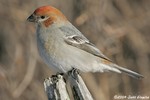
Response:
column 42, row 17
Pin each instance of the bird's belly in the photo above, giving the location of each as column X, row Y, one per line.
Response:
column 72, row 57
column 54, row 57
column 64, row 57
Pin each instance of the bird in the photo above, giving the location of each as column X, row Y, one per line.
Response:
column 63, row 47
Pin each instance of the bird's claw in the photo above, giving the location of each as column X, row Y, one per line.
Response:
column 74, row 73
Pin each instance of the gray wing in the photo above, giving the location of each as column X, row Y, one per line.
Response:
column 82, row 43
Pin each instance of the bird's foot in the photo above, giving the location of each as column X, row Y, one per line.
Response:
column 74, row 73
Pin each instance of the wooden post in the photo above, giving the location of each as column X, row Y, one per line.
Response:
column 79, row 89
column 55, row 87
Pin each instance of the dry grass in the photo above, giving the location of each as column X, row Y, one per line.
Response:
column 120, row 28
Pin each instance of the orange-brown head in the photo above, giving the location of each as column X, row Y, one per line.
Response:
column 46, row 15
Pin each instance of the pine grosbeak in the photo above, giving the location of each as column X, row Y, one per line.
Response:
column 63, row 47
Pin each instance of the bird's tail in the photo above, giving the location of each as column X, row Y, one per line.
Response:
column 127, row 71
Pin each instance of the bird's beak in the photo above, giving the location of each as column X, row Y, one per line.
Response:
column 32, row 18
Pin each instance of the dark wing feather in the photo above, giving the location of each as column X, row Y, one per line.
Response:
column 82, row 43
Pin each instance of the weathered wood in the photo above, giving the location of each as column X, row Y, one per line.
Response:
column 55, row 88
column 79, row 89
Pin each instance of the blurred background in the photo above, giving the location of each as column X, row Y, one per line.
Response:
column 119, row 28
